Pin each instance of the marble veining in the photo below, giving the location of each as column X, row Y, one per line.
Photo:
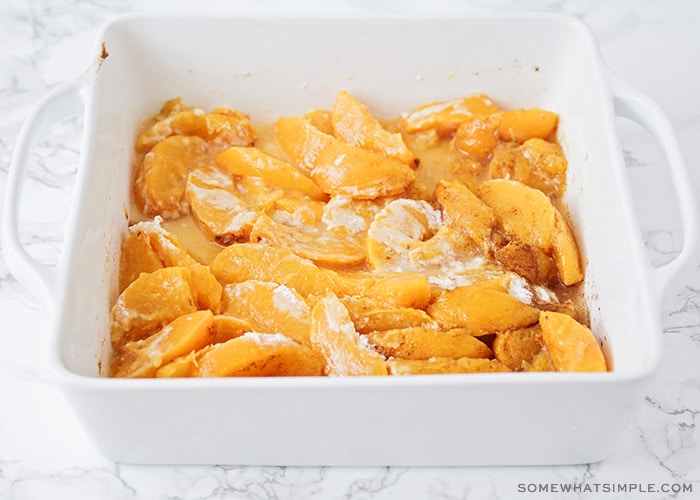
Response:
column 43, row 450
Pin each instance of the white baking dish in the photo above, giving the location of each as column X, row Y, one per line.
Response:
column 275, row 65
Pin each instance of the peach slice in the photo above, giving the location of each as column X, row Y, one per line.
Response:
column 342, row 169
column 571, row 345
column 154, row 299
column 477, row 136
column 353, row 216
column 353, row 122
column 339, row 168
column 398, row 228
column 256, row 261
column 520, row 350
column 220, row 210
column 253, row 162
column 269, row 308
column 206, row 290
column 566, row 253
column 399, row 289
column 333, row 335
column 256, row 354
column 528, row 261
column 179, row 367
column 322, row 119
column 301, row 141
column 537, row 163
column 528, row 215
column 392, row 318
column 150, row 247
column 297, row 210
column 222, row 125
column 410, row 236
column 441, row 365
column 426, row 343
column 482, row 310
column 464, row 211
column 229, row 327
column 317, row 243
column 183, row 335
column 445, row 117
column 523, row 124
column 372, row 314
column 523, row 212
column 161, row 177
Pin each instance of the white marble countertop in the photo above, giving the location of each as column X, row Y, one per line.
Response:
column 652, row 45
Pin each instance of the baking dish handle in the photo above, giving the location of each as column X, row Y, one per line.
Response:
column 631, row 104
column 62, row 102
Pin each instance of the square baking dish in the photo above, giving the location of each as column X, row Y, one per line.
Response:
column 273, row 65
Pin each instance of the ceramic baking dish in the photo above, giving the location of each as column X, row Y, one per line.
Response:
column 277, row 65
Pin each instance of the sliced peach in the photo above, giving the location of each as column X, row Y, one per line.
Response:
column 149, row 135
column 523, row 212
column 269, row 308
column 322, row 119
column 446, row 116
column 258, row 192
column 546, row 164
column 258, row 355
column 222, row 125
column 317, row 243
column 464, row 211
column 353, row 216
column 301, row 141
column 410, row 236
column 161, row 177
column 536, row 163
column 251, row 161
column 150, row 247
column 571, row 345
column 388, row 319
column 354, row 123
column 137, row 256
column 183, row 335
column 222, row 211
column 566, row 253
column 442, row 365
column 371, row 314
column 154, row 299
column 256, row 261
column 425, row 343
column 520, row 349
column 540, row 362
column 339, row 168
column 400, row 289
column 179, row 367
column 482, row 310
column 347, row 170
column 477, row 137
column 229, row 327
column 529, row 216
column 206, row 290
column 398, row 228
column 229, row 127
column 528, row 261
column 523, row 124
column 296, row 210
column 335, row 338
